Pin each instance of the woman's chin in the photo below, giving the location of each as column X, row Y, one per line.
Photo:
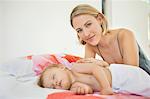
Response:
column 93, row 43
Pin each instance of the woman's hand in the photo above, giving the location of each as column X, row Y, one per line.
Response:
column 93, row 60
column 81, row 89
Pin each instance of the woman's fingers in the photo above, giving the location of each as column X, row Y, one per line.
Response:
column 93, row 60
column 86, row 60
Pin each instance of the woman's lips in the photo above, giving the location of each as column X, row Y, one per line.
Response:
column 90, row 38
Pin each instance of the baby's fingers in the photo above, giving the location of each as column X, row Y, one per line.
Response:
column 78, row 90
column 81, row 91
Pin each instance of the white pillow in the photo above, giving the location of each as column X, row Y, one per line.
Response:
column 21, row 68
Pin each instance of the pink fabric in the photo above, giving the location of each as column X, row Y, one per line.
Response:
column 40, row 62
column 69, row 95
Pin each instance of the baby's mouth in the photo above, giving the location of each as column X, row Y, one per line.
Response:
column 60, row 83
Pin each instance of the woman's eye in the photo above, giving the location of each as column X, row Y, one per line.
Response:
column 79, row 31
column 88, row 24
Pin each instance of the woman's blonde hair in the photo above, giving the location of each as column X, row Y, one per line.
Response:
column 87, row 9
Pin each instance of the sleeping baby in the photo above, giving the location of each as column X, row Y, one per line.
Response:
column 86, row 78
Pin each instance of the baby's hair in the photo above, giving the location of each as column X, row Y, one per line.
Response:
column 40, row 81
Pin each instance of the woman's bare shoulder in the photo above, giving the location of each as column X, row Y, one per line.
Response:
column 122, row 32
column 125, row 33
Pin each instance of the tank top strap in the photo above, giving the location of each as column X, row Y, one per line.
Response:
column 119, row 43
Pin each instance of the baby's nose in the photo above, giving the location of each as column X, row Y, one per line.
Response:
column 56, row 83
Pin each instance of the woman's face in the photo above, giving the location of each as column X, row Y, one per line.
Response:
column 56, row 78
column 88, row 28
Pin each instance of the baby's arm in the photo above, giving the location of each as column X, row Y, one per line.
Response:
column 81, row 88
column 82, row 67
column 102, row 78
column 98, row 72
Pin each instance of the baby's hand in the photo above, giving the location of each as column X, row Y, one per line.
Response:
column 81, row 89
column 107, row 91
column 95, row 61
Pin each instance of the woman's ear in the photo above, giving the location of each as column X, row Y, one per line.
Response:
column 100, row 17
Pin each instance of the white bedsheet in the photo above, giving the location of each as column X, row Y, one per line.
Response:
column 11, row 88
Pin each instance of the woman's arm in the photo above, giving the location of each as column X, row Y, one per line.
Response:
column 90, row 57
column 129, row 47
column 82, row 67
column 102, row 78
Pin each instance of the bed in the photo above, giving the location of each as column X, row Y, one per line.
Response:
column 18, row 81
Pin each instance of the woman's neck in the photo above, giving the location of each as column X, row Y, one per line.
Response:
column 104, row 41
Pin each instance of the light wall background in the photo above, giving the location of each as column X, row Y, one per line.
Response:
column 132, row 14
column 30, row 27
column 42, row 26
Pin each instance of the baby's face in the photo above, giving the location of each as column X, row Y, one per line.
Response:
column 56, row 78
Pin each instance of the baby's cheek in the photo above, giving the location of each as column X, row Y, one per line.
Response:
column 66, row 85
column 47, row 85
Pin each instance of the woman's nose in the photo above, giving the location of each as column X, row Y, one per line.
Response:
column 86, row 32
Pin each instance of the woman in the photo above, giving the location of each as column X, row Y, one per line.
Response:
column 114, row 46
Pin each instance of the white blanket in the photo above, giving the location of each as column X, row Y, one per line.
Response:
column 11, row 88
column 130, row 79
